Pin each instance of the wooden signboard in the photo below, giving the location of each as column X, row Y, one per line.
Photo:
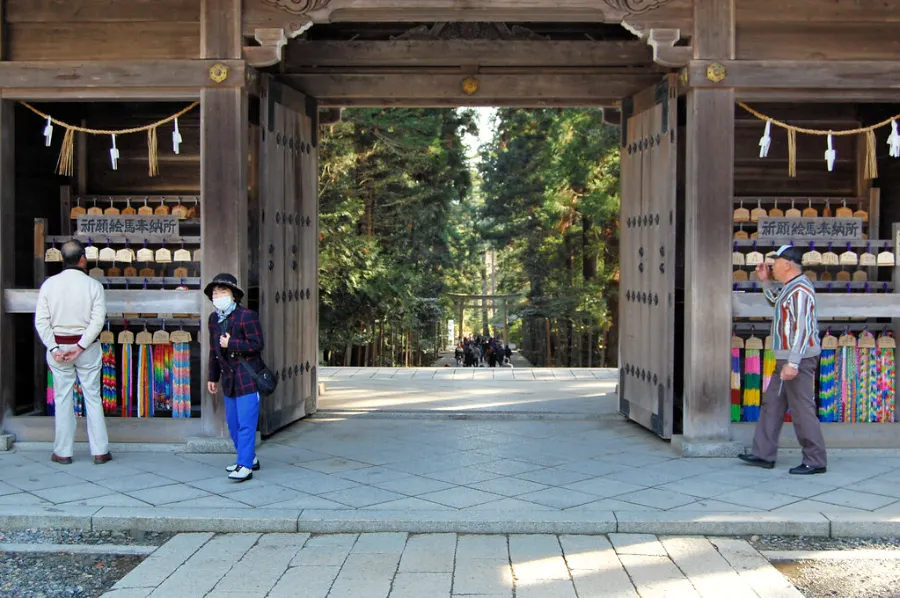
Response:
column 120, row 227
column 810, row 229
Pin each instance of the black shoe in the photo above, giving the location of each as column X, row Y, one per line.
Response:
column 754, row 460
column 807, row 470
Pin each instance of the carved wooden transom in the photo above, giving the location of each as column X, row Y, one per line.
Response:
column 635, row 7
column 469, row 31
column 298, row 7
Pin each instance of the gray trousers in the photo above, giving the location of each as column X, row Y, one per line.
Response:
column 798, row 395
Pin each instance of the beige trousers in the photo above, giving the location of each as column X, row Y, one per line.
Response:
column 88, row 367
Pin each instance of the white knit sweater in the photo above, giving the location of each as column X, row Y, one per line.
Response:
column 70, row 304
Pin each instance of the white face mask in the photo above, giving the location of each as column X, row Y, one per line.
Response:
column 222, row 303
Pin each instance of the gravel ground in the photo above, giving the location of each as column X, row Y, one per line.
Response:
column 802, row 543
column 844, row 579
column 36, row 536
column 838, row 579
column 61, row 575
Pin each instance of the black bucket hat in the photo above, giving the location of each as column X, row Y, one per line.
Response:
column 224, row 280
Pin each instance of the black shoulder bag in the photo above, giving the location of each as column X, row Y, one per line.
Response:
column 264, row 379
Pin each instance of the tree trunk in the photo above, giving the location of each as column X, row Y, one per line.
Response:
column 393, row 344
column 576, row 344
column 590, row 347
column 549, row 344
column 348, row 350
column 588, row 251
column 485, row 329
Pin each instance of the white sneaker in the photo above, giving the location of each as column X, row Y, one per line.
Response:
column 234, row 466
column 241, row 474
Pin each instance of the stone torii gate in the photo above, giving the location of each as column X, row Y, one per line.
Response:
column 462, row 303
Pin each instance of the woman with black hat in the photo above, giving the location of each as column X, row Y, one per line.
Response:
column 236, row 344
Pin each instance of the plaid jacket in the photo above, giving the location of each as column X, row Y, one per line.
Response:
column 246, row 343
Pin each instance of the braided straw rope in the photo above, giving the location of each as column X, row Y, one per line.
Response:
column 868, row 134
column 65, row 165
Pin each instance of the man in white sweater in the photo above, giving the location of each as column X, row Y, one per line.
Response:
column 71, row 311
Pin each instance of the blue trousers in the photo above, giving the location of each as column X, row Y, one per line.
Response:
column 242, row 415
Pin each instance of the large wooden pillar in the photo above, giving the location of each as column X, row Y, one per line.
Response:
column 7, row 254
column 223, row 176
column 708, row 230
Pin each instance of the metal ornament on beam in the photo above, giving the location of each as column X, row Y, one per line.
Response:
column 218, row 72
column 470, row 85
column 716, row 72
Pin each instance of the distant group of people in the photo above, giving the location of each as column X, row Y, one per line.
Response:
column 482, row 351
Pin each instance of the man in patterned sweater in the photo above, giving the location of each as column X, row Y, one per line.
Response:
column 795, row 341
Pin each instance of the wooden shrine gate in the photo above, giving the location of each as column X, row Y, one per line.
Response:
column 647, row 279
column 288, row 251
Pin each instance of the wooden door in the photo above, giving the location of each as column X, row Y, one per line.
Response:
column 288, row 252
column 647, row 268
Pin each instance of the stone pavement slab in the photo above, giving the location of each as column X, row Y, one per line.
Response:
column 500, row 465
column 450, row 565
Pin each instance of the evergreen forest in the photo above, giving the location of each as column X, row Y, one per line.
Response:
column 411, row 215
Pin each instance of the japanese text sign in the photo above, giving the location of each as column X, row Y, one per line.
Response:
column 811, row 229
column 149, row 227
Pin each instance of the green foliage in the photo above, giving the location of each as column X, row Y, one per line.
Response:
column 394, row 187
column 551, row 202
column 405, row 220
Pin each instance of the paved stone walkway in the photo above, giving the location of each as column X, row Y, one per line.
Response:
column 448, row 358
column 588, row 393
column 471, row 456
column 399, row 565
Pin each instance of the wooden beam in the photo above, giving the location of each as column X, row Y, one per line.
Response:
column 302, row 54
column 270, row 49
column 261, row 12
column 799, row 74
column 126, row 75
column 220, row 29
column 372, row 89
column 836, row 96
column 665, row 52
column 828, row 305
column 836, row 40
column 802, row 13
column 612, row 116
column 224, row 145
column 7, row 253
column 709, row 188
column 144, row 430
column 101, row 11
column 223, row 217
column 113, row 94
column 330, row 116
column 4, row 34
column 147, row 41
column 708, row 231
column 713, row 29
column 24, row 301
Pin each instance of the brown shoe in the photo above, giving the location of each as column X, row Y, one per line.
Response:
column 61, row 460
column 101, row 459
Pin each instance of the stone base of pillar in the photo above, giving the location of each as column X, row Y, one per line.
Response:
column 203, row 444
column 688, row 448
column 7, row 441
